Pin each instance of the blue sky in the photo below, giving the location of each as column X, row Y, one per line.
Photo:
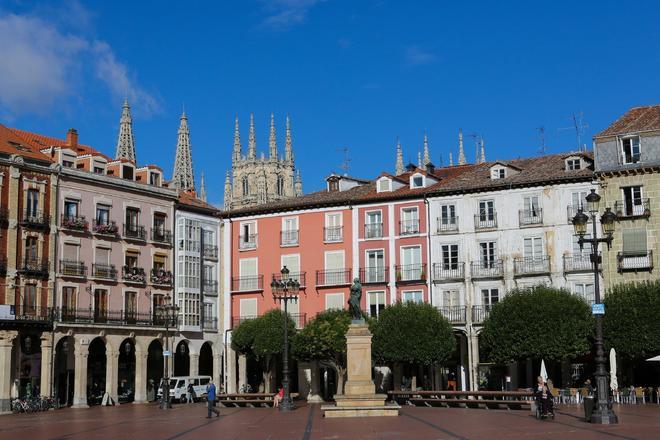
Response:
column 353, row 74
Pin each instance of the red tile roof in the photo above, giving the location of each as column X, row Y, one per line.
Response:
column 190, row 199
column 11, row 143
column 634, row 120
column 47, row 142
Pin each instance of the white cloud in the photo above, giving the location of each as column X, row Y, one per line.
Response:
column 43, row 65
column 416, row 56
column 284, row 14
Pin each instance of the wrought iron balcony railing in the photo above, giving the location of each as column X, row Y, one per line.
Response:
column 447, row 224
column 35, row 219
column 410, row 273
column 577, row 263
column 531, row 266
column 633, row 208
column 70, row 268
column 333, row 277
column 134, row 275
column 289, row 238
column 485, row 221
column 104, row 271
column 210, row 323
column 101, row 227
column 135, row 232
column 298, row 276
column 487, row 269
column 238, row 320
column 480, row 313
column 247, row 241
column 530, row 217
column 448, row 271
column 333, row 234
column 454, row 314
column 634, row 262
column 247, row 284
column 374, row 275
column 210, row 252
column 409, row 227
column 114, row 317
column 161, row 277
column 74, row 222
column 162, row 236
column 35, row 267
column 373, row 230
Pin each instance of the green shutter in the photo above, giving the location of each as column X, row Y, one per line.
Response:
column 634, row 241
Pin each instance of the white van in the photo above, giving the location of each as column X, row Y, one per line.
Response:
column 179, row 387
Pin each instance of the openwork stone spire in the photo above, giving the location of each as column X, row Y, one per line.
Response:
column 399, row 158
column 272, row 140
column 202, row 189
column 482, row 155
column 252, row 140
column 461, row 151
column 227, row 200
column 125, row 141
column 298, row 185
column 182, row 177
column 419, row 160
column 288, row 143
column 427, row 155
column 451, row 160
column 236, row 155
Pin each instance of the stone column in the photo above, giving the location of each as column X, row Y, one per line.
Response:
column 81, row 352
column 242, row 370
column 194, row 364
column 217, row 371
column 111, row 372
column 473, row 350
column 315, row 381
column 6, row 345
column 140, row 376
column 231, row 371
column 304, row 380
column 46, row 365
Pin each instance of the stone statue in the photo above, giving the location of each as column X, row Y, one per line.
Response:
column 354, row 300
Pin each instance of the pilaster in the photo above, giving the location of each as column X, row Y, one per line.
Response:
column 46, row 365
column 141, row 377
column 194, row 364
column 6, row 346
column 81, row 354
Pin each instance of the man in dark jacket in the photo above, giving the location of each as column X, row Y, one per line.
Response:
column 210, row 400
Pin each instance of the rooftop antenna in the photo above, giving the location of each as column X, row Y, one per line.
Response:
column 346, row 162
column 541, row 131
column 578, row 126
column 477, row 142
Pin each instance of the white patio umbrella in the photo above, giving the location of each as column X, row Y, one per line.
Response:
column 544, row 373
column 614, row 383
column 654, row 359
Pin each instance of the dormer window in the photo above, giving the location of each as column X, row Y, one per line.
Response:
column 154, row 179
column 417, row 181
column 333, row 184
column 68, row 160
column 631, row 150
column 99, row 167
column 127, row 172
column 384, row 185
column 573, row 164
column 498, row 173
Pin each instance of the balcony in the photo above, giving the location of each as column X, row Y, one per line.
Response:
column 447, row 224
column 135, row 232
column 578, row 263
column 289, row 238
column 531, row 266
column 637, row 262
column 210, row 252
column 374, row 275
column 161, row 277
column 487, row 269
column 35, row 220
column 31, row 313
column 639, row 208
column 253, row 283
column 112, row 317
column 210, row 323
column 298, row 276
column 333, row 234
column 247, row 242
column 333, row 277
column 133, row 275
column 74, row 223
column 483, row 222
column 530, row 217
column 454, row 314
column 210, row 287
column 33, row 267
column 107, row 228
column 104, row 271
column 448, row 272
column 70, row 268
column 373, row 230
column 411, row 274
column 161, row 236
column 409, row 227
column 4, row 218
column 480, row 313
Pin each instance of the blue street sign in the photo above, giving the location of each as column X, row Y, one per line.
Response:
column 598, row 309
column 167, row 353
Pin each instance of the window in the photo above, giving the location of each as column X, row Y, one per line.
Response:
column 586, row 247
column 374, row 225
column 127, row 172
column 586, row 291
column 32, row 203
column 280, row 186
column 132, row 218
column 490, row 297
column 159, row 263
column 573, row 164
column 246, row 186
column 157, row 301
column 447, row 216
column 333, row 227
column 100, row 305
column 68, row 298
column 248, row 238
column 376, row 303
column 99, row 167
column 375, row 270
column 488, row 253
column 29, row 299
column 292, row 262
column 631, row 150
column 498, row 173
column 486, row 210
column 531, row 207
column 334, row 301
column 409, row 221
column 634, row 242
column 449, row 255
column 130, row 305
column 102, row 214
column 31, row 249
column 451, row 298
column 384, row 185
column 411, row 264
column 533, row 248
column 633, row 204
column 412, row 296
column 154, row 179
column 131, row 259
column 417, row 181
column 290, row 231
column 70, row 255
column 70, row 209
column 334, row 268
column 248, row 308
column 249, row 279
column 333, row 185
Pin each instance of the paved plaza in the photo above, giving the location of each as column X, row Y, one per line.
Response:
column 189, row 422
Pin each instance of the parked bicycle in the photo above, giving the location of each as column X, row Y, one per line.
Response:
column 246, row 388
column 32, row 404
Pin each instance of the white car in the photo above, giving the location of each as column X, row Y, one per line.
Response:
column 179, row 387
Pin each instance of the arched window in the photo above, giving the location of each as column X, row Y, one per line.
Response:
column 280, row 186
column 246, row 187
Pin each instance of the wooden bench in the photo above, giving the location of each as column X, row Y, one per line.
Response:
column 471, row 403
column 250, row 400
column 465, row 399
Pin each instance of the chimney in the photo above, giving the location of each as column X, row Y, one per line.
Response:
column 72, row 138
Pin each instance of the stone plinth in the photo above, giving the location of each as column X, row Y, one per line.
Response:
column 359, row 398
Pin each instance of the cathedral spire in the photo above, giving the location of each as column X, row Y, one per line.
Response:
column 427, row 155
column 182, row 177
column 202, row 189
column 272, row 141
column 399, row 158
column 227, row 201
column 451, row 160
column 288, row 143
column 419, row 160
column 298, row 184
column 236, row 155
column 125, row 141
column 482, row 155
column 252, row 140
column 461, row 151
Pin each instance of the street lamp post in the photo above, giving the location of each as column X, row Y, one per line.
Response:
column 284, row 290
column 602, row 412
column 169, row 312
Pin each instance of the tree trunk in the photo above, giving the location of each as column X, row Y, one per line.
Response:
column 267, row 375
column 341, row 379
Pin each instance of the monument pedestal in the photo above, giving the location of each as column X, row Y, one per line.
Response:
column 359, row 398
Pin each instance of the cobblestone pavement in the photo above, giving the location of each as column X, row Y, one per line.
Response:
column 188, row 422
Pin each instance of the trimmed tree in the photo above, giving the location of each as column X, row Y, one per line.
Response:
column 413, row 333
column 324, row 340
column 631, row 323
column 539, row 322
column 263, row 338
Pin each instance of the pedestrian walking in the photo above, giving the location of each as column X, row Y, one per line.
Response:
column 210, row 400
column 191, row 393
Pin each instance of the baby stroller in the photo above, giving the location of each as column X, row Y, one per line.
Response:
column 544, row 404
